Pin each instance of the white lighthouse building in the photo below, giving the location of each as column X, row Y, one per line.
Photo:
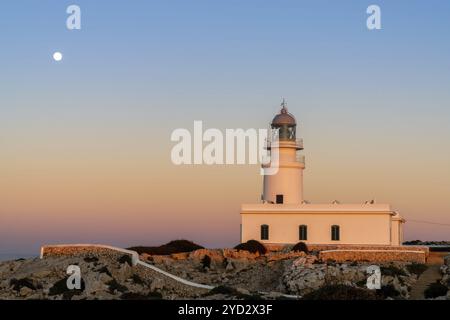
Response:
column 283, row 217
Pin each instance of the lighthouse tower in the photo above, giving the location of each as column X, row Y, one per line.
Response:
column 286, row 186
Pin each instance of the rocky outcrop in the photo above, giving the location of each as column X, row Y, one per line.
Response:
column 103, row 277
column 372, row 255
column 445, row 270
column 307, row 274
column 110, row 273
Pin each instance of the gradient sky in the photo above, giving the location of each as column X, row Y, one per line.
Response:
column 85, row 143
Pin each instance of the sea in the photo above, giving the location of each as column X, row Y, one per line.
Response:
column 15, row 256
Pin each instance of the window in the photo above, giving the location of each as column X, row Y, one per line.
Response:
column 280, row 198
column 291, row 132
column 264, row 232
column 335, row 233
column 303, row 232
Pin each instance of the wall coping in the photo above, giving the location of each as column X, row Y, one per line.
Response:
column 368, row 250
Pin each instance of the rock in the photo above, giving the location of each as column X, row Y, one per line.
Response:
column 447, row 260
column 25, row 291
column 36, row 296
column 42, row 273
column 180, row 256
column 386, row 280
column 240, row 264
column 239, row 254
column 305, row 260
column 157, row 284
column 162, row 259
column 303, row 277
column 216, row 256
column 229, row 266
column 243, row 291
column 446, row 279
column 145, row 257
column 445, row 269
column 96, row 282
column 124, row 272
column 273, row 295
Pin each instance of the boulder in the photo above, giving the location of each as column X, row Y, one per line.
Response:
column 145, row 257
column 157, row 284
column 180, row 256
column 447, row 260
column 305, row 260
column 243, row 291
column 239, row 254
column 215, row 255
column 25, row 291
column 162, row 259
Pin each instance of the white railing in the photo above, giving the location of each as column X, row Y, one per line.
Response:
column 300, row 158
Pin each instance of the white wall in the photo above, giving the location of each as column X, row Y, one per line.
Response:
column 355, row 228
column 288, row 181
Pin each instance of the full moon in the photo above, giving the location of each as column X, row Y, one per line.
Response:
column 57, row 56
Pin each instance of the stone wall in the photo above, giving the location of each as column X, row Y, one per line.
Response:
column 373, row 255
column 86, row 249
column 323, row 247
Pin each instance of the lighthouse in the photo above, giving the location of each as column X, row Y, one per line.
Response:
column 286, row 186
column 284, row 217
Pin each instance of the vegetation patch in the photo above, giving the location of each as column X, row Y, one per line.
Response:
column 392, row 271
column 388, row 291
column 137, row 279
column 362, row 283
column 60, row 287
column 176, row 246
column 125, row 259
column 417, row 268
column 206, row 262
column 253, row 296
column 114, row 285
column 300, row 247
column 341, row 292
column 19, row 284
column 222, row 290
column 89, row 259
column 252, row 246
column 140, row 296
column 233, row 292
column 435, row 290
column 104, row 269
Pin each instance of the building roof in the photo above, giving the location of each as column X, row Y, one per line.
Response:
column 284, row 117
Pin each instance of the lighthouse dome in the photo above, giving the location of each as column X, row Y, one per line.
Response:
column 283, row 118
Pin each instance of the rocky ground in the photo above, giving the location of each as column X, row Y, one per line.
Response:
column 445, row 281
column 235, row 274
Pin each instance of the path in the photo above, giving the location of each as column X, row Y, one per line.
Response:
column 431, row 275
